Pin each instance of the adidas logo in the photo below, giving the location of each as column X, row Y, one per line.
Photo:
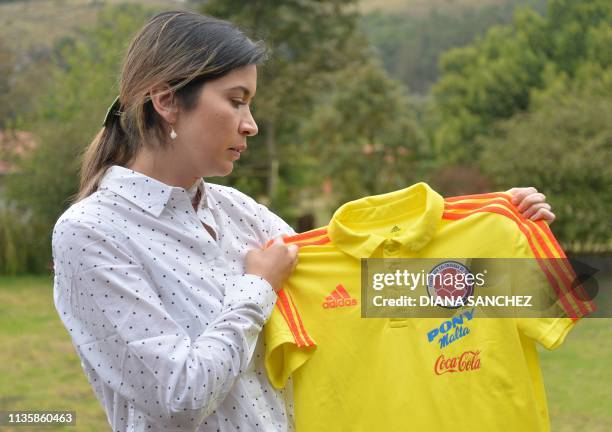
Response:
column 339, row 298
column 395, row 229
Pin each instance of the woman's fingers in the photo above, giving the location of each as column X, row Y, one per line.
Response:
column 532, row 210
column 543, row 214
column 519, row 193
column 532, row 204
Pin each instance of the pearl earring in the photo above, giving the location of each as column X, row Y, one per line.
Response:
column 172, row 133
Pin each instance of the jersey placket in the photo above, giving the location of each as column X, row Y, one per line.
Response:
column 393, row 249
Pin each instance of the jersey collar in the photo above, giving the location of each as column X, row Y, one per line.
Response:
column 409, row 217
column 149, row 194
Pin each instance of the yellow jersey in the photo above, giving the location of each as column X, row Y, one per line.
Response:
column 374, row 374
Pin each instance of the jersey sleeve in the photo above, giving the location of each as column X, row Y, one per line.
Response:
column 548, row 332
column 288, row 344
column 570, row 296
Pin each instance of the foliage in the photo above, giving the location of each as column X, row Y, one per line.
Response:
column 563, row 147
column 22, row 243
column 69, row 113
column 530, row 104
column 410, row 45
column 494, row 78
column 6, row 71
column 364, row 134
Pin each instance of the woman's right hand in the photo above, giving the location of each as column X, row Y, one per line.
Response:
column 274, row 263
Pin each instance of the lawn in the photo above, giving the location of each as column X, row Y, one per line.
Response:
column 39, row 369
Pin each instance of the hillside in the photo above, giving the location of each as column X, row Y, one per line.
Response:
column 33, row 25
column 422, row 7
column 28, row 25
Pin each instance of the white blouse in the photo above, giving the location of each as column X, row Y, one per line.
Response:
column 160, row 312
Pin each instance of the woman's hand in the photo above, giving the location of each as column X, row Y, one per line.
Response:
column 274, row 263
column 532, row 204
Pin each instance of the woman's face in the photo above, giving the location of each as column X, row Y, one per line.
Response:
column 213, row 134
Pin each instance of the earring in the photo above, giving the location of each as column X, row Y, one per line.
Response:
column 172, row 133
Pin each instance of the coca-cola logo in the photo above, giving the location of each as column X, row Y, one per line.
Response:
column 467, row 361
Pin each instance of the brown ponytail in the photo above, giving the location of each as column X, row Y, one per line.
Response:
column 181, row 49
column 109, row 147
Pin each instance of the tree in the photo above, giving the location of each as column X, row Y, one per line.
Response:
column 364, row 135
column 495, row 77
column 411, row 44
column 6, row 71
column 563, row 147
column 67, row 116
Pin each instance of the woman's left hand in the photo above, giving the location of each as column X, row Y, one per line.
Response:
column 532, row 204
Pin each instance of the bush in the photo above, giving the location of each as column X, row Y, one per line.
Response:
column 23, row 243
column 564, row 148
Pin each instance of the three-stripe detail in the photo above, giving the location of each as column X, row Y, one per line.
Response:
column 546, row 249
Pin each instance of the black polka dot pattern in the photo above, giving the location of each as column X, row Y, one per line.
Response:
column 152, row 291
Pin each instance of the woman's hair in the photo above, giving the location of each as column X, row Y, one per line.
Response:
column 181, row 49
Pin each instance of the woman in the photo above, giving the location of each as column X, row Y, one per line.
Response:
column 160, row 278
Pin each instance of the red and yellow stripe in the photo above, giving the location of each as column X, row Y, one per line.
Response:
column 308, row 238
column 285, row 303
column 293, row 319
column 542, row 243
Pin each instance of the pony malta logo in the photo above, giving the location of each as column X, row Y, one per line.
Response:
column 465, row 362
column 339, row 297
column 451, row 330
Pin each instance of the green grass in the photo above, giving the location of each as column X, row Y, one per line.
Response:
column 40, row 370
column 578, row 379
